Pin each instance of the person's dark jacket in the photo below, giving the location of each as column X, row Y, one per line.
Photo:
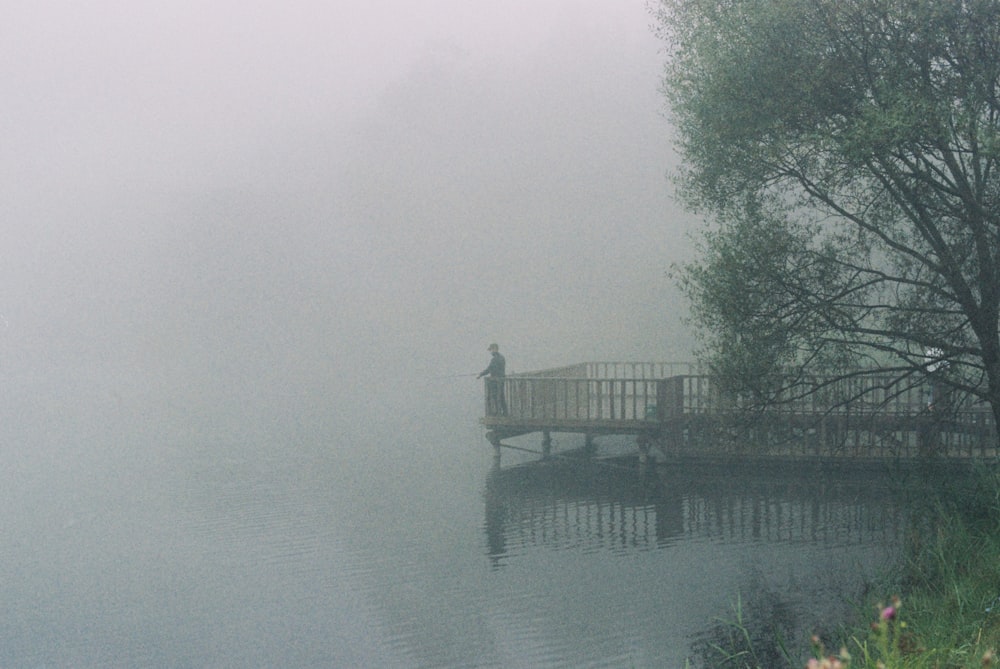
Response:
column 496, row 368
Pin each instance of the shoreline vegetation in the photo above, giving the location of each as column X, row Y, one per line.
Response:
column 938, row 608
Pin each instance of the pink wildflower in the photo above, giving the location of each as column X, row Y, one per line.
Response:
column 826, row 663
column 888, row 613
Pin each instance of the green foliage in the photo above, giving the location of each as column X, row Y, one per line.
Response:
column 848, row 154
column 770, row 292
column 948, row 616
column 951, row 581
column 749, row 639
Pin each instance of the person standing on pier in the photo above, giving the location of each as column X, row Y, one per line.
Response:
column 496, row 403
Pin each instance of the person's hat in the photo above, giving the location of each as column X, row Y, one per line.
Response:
column 493, row 347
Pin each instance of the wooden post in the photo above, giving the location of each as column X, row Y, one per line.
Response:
column 643, row 442
column 494, row 439
column 546, row 444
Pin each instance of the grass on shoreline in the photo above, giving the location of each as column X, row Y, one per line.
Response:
column 940, row 609
column 947, row 612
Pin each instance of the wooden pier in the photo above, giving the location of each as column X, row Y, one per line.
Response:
column 679, row 410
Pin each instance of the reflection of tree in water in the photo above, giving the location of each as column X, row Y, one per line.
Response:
column 753, row 638
column 767, row 629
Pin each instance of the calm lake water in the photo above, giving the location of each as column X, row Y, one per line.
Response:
column 136, row 537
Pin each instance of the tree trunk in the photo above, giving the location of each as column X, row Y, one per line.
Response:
column 993, row 396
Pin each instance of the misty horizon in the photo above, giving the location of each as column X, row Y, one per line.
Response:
column 466, row 197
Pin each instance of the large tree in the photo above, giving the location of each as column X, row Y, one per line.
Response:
column 847, row 154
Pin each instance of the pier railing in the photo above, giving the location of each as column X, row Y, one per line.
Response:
column 678, row 399
column 606, row 391
column 580, row 399
column 613, row 391
column 620, row 370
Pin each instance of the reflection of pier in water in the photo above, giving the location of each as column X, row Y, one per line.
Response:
column 587, row 506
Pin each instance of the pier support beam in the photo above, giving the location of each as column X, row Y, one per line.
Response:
column 643, row 441
column 546, row 444
column 494, row 439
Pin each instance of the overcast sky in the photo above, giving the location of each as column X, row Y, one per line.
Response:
column 305, row 191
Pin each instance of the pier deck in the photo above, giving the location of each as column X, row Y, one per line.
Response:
column 680, row 410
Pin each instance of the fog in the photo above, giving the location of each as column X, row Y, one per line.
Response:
column 283, row 220
column 304, row 205
column 253, row 255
